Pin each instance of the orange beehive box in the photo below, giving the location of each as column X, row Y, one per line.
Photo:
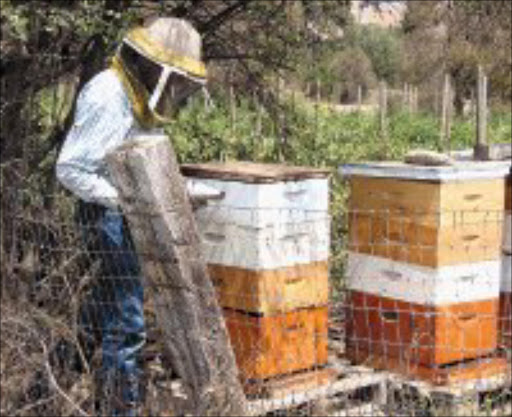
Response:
column 430, row 203
column 272, row 290
column 267, row 346
column 421, row 334
column 426, row 222
column 414, row 243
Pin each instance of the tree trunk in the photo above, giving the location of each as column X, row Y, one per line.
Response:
column 156, row 205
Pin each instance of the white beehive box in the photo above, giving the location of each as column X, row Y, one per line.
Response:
column 270, row 216
column 423, row 285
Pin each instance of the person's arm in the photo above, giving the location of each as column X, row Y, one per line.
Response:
column 102, row 121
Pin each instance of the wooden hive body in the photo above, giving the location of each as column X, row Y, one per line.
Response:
column 426, row 223
column 266, row 243
column 424, row 261
column 422, row 334
column 267, row 346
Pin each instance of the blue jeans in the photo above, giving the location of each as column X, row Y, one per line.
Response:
column 117, row 301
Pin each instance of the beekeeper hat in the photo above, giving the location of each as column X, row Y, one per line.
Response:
column 170, row 42
column 172, row 45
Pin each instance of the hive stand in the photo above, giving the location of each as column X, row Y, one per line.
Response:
column 488, row 396
column 341, row 389
column 357, row 391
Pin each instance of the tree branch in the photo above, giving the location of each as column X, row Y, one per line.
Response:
column 221, row 17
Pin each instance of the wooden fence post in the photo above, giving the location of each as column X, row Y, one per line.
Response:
column 444, row 141
column 481, row 149
column 259, row 116
column 318, row 92
column 436, row 102
column 281, row 119
column 416, row 95
column 383, row 102
column 154, row 200
column 405, row 97
column 359, row 98
column 410, row 103
column 232, row 107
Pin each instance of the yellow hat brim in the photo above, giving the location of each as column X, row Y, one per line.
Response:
column 154, row 51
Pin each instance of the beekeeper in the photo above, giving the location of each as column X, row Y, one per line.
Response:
column 155, row 69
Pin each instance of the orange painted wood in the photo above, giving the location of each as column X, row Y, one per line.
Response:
column 477, row 369
column 505, row 322
column 274, row 290
column 421, row 334
column 429, row 203
column 425, row 222
column 268, row 346
column 415, row 243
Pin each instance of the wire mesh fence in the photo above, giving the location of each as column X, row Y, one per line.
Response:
column 337, row 297
column 389, row 318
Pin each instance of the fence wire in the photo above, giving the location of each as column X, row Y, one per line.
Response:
column 320, row 323
column 336, row 305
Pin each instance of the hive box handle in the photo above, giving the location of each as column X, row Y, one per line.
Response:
column 472, row 197
column 389, row 316
column 391, row 275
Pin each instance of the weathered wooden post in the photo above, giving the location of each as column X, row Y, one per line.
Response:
column 281, row 120
column 444, row 141
column 416, row 99
column 359, row 98
column 411, row 99
column 481, row 149
column 405, row 97
column 336, row 94
column 383, row 102
column 232, row 107
column 154, row 200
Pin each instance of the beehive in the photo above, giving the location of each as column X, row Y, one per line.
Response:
column 424, row 260
column 266, row 243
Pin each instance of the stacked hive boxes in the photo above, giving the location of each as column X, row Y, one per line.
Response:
column 424, row 263
column 266, row 243
column 506, row 271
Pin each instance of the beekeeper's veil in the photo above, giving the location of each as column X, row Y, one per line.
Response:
column 160, row 66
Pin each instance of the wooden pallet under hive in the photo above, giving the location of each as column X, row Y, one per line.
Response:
column 471, row 370
column 485, row 395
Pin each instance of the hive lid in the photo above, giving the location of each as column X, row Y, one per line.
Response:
column 251, row 172
column 459, row 171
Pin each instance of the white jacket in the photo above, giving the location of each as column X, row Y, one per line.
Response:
column 103, row 121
